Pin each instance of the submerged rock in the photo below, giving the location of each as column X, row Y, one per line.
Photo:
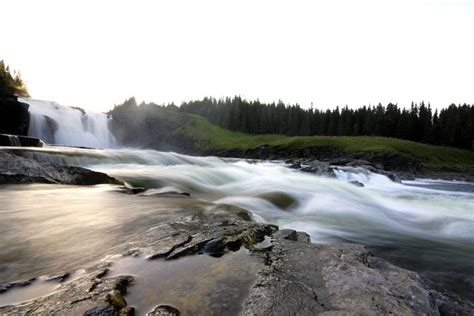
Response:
column 164, row 310
column 280, row 199
column 317, row 167
column 20, row 283
column 127, row 311
column 61, row 277
column 115, row 299
column 357, row 183
column 16, row 169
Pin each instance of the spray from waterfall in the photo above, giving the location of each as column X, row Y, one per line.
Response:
column 63, row 125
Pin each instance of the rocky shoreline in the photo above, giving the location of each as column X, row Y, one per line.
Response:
column 294, row 276
column 297, row 277
column 397, row 167
column 16, row 169
column 327, row 167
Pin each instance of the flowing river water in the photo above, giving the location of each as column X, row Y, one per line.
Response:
column 423, row 225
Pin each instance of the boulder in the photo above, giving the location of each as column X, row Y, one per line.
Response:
column 16, row 169
column 164, row 310
column 357, row 183
column 14, row 116
column 320, row 168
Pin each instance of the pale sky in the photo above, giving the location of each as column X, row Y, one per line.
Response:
column 96, row 53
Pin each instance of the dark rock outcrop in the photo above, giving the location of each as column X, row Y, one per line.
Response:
column 16, row 169
column 317, row 167
column 18, row 140
column 386, row 160
column 326, row 168
column 14, row 116
column 357, row 183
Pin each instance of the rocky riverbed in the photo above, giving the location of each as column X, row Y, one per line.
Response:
column 290, row 275
column 203, row 258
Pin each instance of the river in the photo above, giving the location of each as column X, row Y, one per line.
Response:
column 423, row 225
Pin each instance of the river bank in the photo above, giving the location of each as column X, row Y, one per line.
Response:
column 288, row 273
column 321, row 160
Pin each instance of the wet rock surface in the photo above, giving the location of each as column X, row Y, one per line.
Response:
column 19, row 140
column 314, row 160
column 297, row 277
column 164, row 310
column 317, row 167
column 212, row 231
column 326, row 168
column 90, row 295
column 307, row 279
column 17, row 169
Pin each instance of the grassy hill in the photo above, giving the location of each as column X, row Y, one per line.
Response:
column 209, row 137
column 168, row 129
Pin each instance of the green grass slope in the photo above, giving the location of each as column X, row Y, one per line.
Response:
column 209, row 137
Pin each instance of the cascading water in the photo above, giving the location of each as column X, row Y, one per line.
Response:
column 427, row 226
column 289, row 197
column 14, row 140
column 63, row 125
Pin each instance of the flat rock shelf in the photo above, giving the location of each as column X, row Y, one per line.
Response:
column 212, row 261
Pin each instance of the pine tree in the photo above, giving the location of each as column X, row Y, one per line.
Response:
column 11, row 85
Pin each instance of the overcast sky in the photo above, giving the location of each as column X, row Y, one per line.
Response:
column 96, row 53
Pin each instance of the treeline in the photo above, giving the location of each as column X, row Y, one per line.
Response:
column 11, row 83
column 452, row 126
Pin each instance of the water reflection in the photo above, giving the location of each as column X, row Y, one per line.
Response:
column 46, row 229
column 196, row 285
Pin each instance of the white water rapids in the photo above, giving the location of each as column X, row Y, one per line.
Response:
column 427, row 226
column 326, row 208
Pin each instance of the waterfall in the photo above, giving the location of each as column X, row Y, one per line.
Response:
column 64, row 125
column 9, row 140
column 14, row 140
